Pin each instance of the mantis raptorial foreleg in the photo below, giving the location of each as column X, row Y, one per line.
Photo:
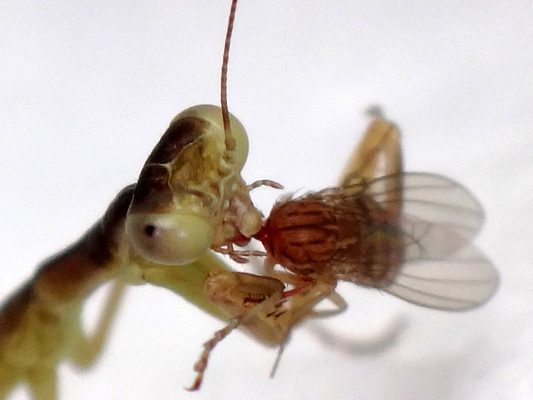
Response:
column 187, row 281
column 263, row 308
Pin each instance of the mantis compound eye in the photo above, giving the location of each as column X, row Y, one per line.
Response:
column 169, row 239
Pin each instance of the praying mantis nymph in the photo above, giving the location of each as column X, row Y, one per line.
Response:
column 190, row 197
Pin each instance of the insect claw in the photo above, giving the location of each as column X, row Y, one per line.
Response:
column 197, row 383
column 239, row 256
column 374, row 111
column 239, row 259
column 264, row 182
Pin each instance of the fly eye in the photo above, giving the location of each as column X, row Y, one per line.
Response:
column 169, row 239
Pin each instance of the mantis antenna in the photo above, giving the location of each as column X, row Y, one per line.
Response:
column 230, row 141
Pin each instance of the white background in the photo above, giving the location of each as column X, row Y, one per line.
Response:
column 87, row 88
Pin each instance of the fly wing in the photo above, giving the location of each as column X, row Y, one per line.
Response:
column 440, row 266
column 442, row 269
column 431, row 198
column 464, row 280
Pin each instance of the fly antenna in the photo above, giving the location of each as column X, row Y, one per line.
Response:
column 230, row 141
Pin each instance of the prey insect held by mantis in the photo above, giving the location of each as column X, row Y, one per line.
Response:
column 407, row 234
column 190, row 199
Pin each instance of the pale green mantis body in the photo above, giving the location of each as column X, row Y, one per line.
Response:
column 190, row 197
column 40, row 325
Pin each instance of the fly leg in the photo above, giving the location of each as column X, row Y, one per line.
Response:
column 303, row 303
column 378, row 154
column 338, row 301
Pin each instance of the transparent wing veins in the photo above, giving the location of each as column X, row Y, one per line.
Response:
column 439, row 219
